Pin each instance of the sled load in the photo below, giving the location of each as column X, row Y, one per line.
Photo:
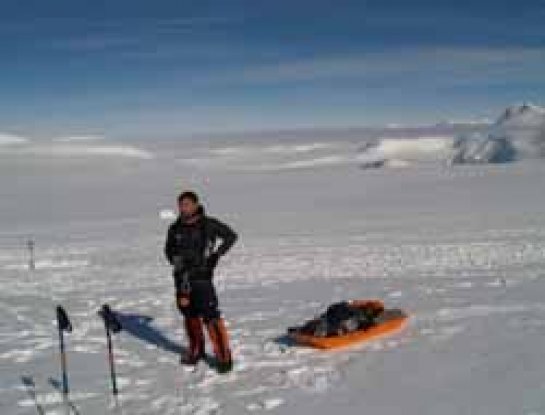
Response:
column 347, row 323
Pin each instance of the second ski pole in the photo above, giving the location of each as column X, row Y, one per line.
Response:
column 112, row 325
column 63, row 324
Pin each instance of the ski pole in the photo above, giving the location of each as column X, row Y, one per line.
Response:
column 111, row 324
column 31, row 260
column 63, row 324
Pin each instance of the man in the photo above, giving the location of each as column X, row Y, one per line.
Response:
column 191, row 249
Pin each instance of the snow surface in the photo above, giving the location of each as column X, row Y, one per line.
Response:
column 461, row 248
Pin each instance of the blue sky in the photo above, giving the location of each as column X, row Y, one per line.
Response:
column 141, row 68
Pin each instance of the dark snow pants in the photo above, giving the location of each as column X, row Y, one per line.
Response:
column 203, row 300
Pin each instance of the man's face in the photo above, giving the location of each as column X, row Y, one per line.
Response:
column 187, row 207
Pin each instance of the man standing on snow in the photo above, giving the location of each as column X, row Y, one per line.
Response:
column 191, row 249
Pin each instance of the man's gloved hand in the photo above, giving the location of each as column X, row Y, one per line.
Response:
column 212, row 260
column 182, row 300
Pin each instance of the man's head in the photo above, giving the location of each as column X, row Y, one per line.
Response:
column 188, row 203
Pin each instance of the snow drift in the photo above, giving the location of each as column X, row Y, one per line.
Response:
column 9, row 139
column 400, row 152
column 271, row 157
column 73, row 150
column 76, row 150
column 69, row 146
column 78, row 138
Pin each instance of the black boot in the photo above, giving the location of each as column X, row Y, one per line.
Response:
column 224, row 367
column 189, row 359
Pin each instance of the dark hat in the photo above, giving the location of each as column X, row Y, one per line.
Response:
column 188, row 194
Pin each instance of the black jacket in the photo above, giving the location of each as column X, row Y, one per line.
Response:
column 194, row 243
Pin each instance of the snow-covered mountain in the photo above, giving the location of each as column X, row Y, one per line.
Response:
column 522, row 116
column 483, row 149
column 519, row 133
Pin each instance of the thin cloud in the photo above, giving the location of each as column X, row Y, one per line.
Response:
column 131, row 35
column 453, row 61
column 92, row 43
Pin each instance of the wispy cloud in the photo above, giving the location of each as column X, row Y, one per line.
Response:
column 136, row 35
column 453, row 62
column 93, row 42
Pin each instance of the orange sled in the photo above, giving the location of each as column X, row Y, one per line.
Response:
column 387, row 322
